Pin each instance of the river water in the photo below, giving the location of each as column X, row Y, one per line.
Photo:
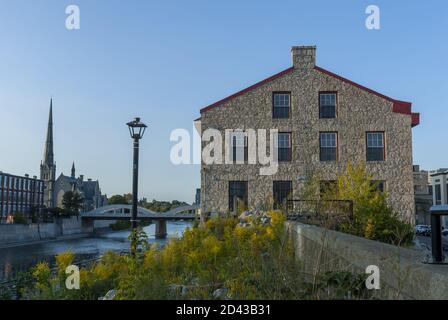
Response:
column 18, row 259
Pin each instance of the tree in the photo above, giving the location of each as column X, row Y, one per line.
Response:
column 163, row 206
column 373, row 217
column 72, row 201
column 118, row 199
column 128, row 197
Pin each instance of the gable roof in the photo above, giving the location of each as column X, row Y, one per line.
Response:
column 398, row 106
column 403, row 107
column 89, row 188
column 252, row 87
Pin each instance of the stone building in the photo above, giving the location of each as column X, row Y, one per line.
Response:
column 422, row 195
column 323, row 121
column 55, row 188
column 88, row 189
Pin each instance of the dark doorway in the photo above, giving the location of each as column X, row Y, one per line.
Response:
column 237, row 194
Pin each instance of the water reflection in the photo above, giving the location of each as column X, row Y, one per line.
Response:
column 19, row 259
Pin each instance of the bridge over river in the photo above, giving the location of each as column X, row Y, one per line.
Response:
column 123, row 212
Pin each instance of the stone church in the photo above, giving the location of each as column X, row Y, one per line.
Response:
column 55, row 188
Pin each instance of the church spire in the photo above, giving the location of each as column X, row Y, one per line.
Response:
column 73, row 170
column 47, row 166
column 48, row 153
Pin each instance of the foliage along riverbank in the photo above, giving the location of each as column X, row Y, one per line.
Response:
column 222, row 259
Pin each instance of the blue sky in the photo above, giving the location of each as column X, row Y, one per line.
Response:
column 164, row 60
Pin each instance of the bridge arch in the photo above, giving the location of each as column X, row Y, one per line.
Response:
column 117, row 209
column 123, row 212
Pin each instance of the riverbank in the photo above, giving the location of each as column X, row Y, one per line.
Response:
column 98, row 232
column 49, row 240
column 16, row 234
column 20, row 257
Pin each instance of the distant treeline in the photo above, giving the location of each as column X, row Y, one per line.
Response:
column 154, row 205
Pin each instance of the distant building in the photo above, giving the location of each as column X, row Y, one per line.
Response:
column 19, row 194
column 89, row 190
column 197, row 197
column 56, row 188
column 422, row 195
column 439, row 182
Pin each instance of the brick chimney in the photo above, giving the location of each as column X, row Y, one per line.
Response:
column 304, row 57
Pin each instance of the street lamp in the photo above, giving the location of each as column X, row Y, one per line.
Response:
column 137, row 130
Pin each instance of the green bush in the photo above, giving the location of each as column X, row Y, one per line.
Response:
column 126, row 224
column 372, row 218
column 20, row 218
column 121, row 225
column 251, row 262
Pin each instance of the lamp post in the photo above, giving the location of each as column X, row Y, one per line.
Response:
column 137, row 130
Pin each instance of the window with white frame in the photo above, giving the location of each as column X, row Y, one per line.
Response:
column 283, row 146
column 328, row 146
column 239, row 146
column 281, row 105
column 375, row 146
column 327, row 105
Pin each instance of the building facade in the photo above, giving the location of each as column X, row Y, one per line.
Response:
column 439, row 183
column 19, row 194
column 422, row 196
column 55, row 188
column 323, row 122
column 197, row 196
column 439, row 186
column 88, row 189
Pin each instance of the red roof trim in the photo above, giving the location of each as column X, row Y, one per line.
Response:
column 403, row 107
column 398, row 106
column 258, row 84
column 415, row 118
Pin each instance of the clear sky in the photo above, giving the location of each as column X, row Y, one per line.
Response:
column 164, row 60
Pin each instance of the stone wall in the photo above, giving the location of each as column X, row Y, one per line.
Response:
column 16, row 233
column 358, row 111
column 24, row 233
column 402, row 273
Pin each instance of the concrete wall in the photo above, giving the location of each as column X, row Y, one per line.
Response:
column 402, row 273
column 23, row 233
column 12, row 233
